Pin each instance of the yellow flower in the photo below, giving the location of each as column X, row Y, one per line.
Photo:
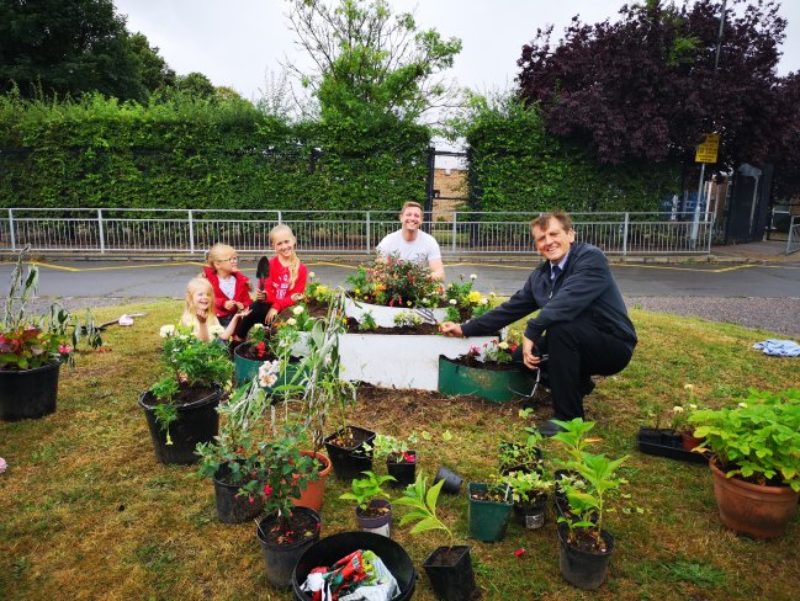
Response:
column 474, row 297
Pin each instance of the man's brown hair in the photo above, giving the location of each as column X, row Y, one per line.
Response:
column 543, row 220
column 411, row 203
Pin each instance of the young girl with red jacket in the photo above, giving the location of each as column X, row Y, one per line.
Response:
column 231, row 287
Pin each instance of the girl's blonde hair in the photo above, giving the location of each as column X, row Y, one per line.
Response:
column 218, row 253
column 294, row 262
column 189, row 317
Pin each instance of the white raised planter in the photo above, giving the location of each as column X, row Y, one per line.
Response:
column 383, row 316
column 399, row 361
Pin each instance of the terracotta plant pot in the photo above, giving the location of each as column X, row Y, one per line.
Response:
column 689, row 442
column 752, row 509
column 313, row 495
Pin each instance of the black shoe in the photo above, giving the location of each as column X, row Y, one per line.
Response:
column 587, row 387
column 550, row 428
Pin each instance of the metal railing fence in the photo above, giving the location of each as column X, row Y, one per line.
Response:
column 793, row 241
column 148, row 231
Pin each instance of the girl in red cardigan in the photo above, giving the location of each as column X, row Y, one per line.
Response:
column 231, row 287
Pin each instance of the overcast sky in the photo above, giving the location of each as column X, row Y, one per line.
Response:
column 236, row 42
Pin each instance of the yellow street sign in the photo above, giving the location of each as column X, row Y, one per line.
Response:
column 707, row 151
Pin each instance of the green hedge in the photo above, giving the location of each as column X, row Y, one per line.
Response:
column 195, row 153
column 515, row 165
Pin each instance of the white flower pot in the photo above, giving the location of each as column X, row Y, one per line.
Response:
column 399, row 361
column 383, row 316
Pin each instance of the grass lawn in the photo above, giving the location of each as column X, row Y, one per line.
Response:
column 88, row 513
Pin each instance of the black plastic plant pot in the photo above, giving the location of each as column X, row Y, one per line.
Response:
column 349, row 462
column 583, row 569
column 28, row 393
column 233, row 508
column 450, row 571
column 531, row 515
column 452, row 481
column 197, row 421
column 404, row 473
column 667, row 443
column 331, row 549
column 381, row 524
column 282, row 559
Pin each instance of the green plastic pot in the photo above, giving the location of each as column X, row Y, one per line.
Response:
column 245, row 370
column 487, row 519
column 498, row 386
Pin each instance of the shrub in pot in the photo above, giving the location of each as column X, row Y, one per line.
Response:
column 401, row 458
column 584, row 544
column 530, row 492
column 286, row 531
column 523, row 456
column 181, row 407
column 32, row 349
column 449, row 568
column 373, row 514
column 755, row 461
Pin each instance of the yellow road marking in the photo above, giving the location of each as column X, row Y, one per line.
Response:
column 115, row 267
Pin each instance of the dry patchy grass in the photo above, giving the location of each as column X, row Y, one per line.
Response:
column 89, row 514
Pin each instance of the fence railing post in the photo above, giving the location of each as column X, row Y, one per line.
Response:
column 455, row 231
column 11, row 232
column 191, row 231
column 101, row 231
column 625, row 234
column 710, row 226
column 280, row 217
column 367, row 244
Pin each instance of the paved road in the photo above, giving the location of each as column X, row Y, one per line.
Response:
column 757, row 295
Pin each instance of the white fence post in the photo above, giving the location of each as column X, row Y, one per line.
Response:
column 625, row 235
column 369, row 234
column 11, row 229
column 455, row 231
column 191, row 232
column 101, row 231
column 280, row 217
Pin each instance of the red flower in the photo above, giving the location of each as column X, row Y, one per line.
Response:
column 64, row 349
column 252, row 499
column 409, row 457
column 267, row 490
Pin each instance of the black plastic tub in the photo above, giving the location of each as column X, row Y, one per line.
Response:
column 331, row 549
column 349, row 462
column 28, row 393
column 666, row 443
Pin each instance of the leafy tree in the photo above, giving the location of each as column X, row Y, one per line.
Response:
column 153, row 69
column 646, row 86
column 67, row 47
column 195, row 84
column 369, row 64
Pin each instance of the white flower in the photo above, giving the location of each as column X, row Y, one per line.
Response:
column 298, row 309
column 216, row 331
column 166, row 331
column 268, row 373
column 291, row 321
column 742, row 405
column 677, row 409
column 453, row 301
column 692, row 407
column 312, row 275
column 473, row 276
column 257, row 326
column 484, row 301
column 503, row 345
column 3, row 465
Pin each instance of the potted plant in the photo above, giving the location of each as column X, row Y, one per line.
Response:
column 32, row 349
column 372, row 513
column 232, row 461
column 448, row 567
column 489, row 507
column 287, row 530
column 250, row 354
column 181, row 407
column 574, row 439
column 522, row 456
column 585, row 546
column 755, row 460
column 487, row 371
column 530, row 492
column 401, row 458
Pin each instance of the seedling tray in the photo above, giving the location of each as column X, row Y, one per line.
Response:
column 666, row 444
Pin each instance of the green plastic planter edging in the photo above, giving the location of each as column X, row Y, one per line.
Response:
column 499, row 386
column 246, row 369
column 487, row 519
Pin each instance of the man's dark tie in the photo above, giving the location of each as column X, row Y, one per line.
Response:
column 556, row 272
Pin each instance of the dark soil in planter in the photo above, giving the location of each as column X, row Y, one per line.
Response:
column 186, row 395
column 316, row 309
column 472, row 361
column 349, row 438
column 302, row 525
column 584, row 540
column 373, row 511
column 249, row 350
column 424, row 329
column 492, row 496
